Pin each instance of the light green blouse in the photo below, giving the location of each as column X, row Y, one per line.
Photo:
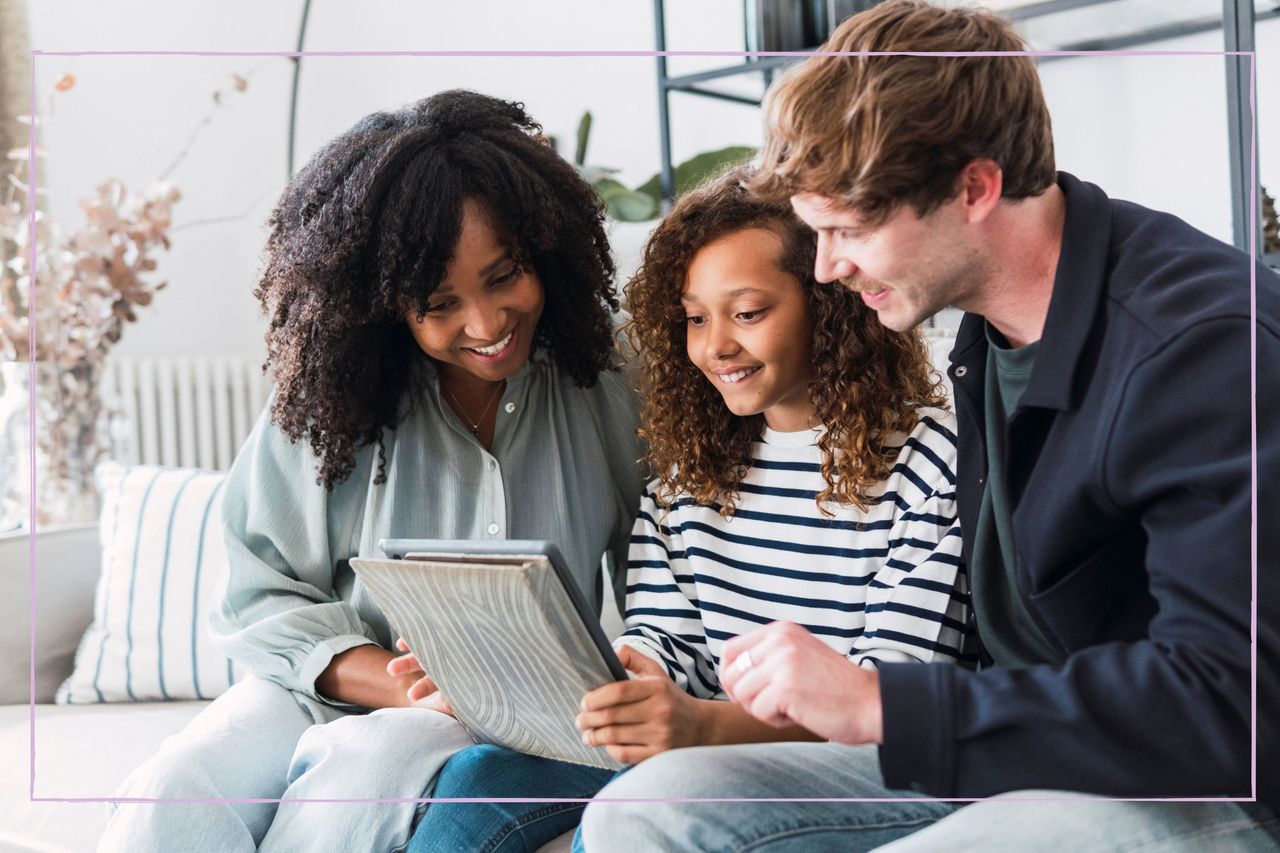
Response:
column 563, row 467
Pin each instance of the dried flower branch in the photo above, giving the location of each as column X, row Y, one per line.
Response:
column 82, row 289
column 91, row 281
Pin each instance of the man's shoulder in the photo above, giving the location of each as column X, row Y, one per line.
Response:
column 1166, row 276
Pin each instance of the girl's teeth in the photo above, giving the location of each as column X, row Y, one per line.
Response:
column 496, row 348
column 741, row 374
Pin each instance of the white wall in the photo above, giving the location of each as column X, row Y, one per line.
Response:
column 1148, row 129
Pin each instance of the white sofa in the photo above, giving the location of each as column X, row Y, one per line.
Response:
column 81, row 752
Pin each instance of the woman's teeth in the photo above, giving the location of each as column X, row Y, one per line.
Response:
column 730, row 378
column 496, row 348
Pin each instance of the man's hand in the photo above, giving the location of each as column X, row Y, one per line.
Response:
column 636, row 719
column 783, row 675
column 422, row 691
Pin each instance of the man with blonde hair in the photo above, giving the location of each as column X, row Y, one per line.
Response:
column 1102, row 382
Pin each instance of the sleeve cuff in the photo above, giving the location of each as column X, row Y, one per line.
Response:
column 918, row 748
column 321, row 654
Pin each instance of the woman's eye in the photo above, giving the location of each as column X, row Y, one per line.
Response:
column 748, row 316
column 438, row 308
column 509, row 276
column 696, row 321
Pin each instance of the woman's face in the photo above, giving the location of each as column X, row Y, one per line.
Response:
column 481, row 319
column 749, row 330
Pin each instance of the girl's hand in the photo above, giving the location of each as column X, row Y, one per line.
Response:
column 422, row 691
column 636, row 719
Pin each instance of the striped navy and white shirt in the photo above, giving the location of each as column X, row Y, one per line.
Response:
column 885, row 585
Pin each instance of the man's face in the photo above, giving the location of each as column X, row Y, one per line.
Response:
column 907, row 269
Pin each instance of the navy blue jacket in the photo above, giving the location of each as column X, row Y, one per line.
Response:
column 1129, row 464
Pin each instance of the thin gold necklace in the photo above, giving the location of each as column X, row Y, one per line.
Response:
column 466, row 419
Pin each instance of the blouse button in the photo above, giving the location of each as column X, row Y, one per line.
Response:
column 493, row 529
column 493, row 464
column 509, row 407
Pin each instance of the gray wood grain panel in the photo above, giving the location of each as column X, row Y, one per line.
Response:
column 503, row 643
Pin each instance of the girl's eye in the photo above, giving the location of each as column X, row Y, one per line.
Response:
column 748, row 316
column 439, row 307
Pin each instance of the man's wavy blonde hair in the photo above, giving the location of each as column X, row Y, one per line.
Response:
column 876, row 132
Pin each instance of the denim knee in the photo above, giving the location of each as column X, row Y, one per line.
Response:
column 480, row 771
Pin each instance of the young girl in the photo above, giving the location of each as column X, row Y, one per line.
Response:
column 439, row 288
column 805, row 467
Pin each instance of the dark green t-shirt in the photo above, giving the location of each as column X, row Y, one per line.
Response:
column 1007, row 630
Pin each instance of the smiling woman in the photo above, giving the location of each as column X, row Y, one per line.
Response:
column 440, row 293
column 480, row 323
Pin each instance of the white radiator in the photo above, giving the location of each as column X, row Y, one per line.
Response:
column 183, row 411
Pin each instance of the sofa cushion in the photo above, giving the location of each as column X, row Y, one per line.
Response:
column 162, row 560
column 65, row 569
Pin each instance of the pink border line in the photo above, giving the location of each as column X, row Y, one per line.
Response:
column 750, row 54
column 1253, row 414
column 31, row 404
column 1253, row 388
column 403, row 800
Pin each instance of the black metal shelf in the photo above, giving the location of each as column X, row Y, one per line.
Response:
column 1238, row 21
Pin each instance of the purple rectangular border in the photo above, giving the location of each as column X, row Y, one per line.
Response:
column 1253, row 389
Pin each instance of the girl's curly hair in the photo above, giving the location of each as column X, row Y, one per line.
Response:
column 368, row 228
column 868, row 380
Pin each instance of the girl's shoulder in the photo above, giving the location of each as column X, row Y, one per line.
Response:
column 935, row 426
column 928, row 453
column 656, row 497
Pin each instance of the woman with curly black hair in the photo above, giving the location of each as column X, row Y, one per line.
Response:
column 440, row 292
column 804, row 459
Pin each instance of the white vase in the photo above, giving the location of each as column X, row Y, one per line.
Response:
column 70, row 439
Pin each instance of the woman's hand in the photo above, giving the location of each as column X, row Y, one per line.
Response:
column 636, row 719
column 422, row 691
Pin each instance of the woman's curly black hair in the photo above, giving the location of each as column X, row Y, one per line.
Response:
column 867, row 379
column 367, row 229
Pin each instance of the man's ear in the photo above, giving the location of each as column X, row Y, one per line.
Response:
column 981, row 183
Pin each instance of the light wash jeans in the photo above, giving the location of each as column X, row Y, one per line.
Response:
column 256, row 742
column 1079, row 823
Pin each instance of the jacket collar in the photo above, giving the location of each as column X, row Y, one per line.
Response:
column 1079, row 287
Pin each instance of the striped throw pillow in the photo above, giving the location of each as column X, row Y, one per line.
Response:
column 162, row 560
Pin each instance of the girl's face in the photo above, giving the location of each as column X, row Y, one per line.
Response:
column 749, row 329
column 480, row 321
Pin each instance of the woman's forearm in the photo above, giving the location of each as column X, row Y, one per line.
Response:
column 358, row 676
column 725, row 722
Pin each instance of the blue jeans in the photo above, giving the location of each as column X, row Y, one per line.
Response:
column 1075, row 822
column 493, row 772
